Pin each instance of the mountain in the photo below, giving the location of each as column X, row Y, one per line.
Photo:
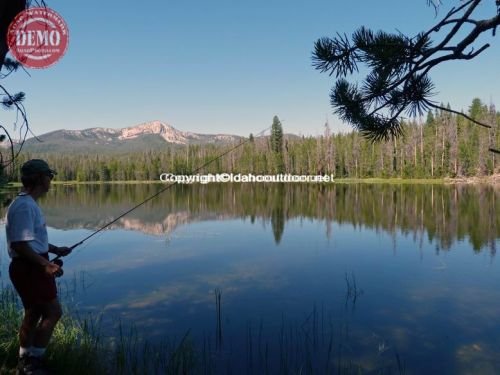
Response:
column 153, row 135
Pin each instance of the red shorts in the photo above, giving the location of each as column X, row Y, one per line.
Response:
column 34, row 286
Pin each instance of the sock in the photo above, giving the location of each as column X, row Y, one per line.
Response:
column 24, row 351
column 37, row 352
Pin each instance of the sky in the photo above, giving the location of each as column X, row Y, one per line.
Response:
column 221, row 66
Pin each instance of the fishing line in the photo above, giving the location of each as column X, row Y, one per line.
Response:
column 158, row 193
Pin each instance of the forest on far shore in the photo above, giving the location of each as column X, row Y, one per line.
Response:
column 442, row 145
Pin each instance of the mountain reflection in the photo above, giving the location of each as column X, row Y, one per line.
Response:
column 444, row 214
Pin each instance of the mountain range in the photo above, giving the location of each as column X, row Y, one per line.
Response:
column 155, row 135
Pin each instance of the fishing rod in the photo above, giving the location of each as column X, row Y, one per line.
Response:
column 59, row 262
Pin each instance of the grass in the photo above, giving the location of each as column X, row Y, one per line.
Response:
column 78, row 347
column 392, row 180
column 15, row 184
column 75, row 343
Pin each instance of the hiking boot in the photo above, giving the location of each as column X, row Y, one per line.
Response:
column 29, row 365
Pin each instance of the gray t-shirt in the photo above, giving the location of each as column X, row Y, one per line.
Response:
column 25, row 222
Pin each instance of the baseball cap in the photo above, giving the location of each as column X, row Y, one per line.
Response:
column 35, row 166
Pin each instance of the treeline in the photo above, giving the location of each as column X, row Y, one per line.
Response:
column 444, row 145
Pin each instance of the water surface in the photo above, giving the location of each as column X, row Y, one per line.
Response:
column 324, row 277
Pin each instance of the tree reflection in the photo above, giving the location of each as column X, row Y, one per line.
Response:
column 278, row 213
column 441, row 213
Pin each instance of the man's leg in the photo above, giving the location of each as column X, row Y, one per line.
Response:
column 51, row 312
column 27, row 333
column 28, row 328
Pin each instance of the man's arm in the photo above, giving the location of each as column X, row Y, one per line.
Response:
column 23, row 249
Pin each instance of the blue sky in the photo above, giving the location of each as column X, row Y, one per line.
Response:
column 220, row 66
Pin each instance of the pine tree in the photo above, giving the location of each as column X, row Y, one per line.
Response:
column 276, row 136
column 277, row 145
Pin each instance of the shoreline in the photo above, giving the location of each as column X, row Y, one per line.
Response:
column 475, row 180
column 493, row 179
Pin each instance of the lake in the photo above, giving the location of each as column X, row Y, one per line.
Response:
column 381, row 278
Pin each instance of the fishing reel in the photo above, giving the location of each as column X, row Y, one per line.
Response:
column 60, row 263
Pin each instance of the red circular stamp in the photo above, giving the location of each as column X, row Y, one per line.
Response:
column 38, row 37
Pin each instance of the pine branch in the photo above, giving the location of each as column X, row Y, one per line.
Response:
column 16, row 102
column 430, row 104
column 398, row 81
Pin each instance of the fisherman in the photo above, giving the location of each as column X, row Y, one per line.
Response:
column 30, row 271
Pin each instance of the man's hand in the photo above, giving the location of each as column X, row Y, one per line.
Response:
column 52, row 269
column 61, row 251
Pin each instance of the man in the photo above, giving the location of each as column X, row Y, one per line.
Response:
column 31, row 272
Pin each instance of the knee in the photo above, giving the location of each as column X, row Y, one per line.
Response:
column 57, row 313
column 31, row 318
column 53, row 312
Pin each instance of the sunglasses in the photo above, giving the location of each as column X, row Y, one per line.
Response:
column 50, row 175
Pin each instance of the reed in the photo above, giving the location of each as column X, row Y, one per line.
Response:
column 78, row 346
column 218, row 325
column 319, row 344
